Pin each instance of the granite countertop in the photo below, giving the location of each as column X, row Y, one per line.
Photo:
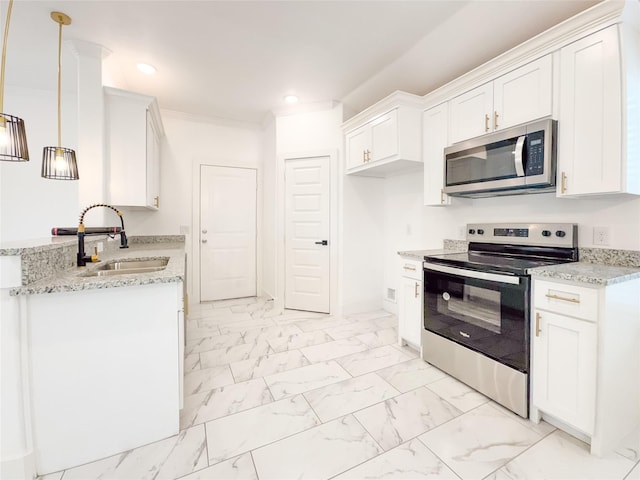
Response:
column 420, row 254
column 584, row 272
column 74, row 279
column 42, row 244
column 602, row 266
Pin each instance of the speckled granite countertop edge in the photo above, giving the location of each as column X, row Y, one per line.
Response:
column 75, row 279
column 590, row 273
column 450, row 246
column 597, row 266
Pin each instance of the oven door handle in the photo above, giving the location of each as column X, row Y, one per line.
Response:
column 494, row 277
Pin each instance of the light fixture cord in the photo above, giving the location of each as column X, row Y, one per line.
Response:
column 59, row 81
column 4, row 54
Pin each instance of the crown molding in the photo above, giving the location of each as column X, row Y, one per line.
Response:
column 394, row 100
column 80, row 48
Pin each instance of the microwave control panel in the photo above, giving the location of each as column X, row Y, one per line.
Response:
column 535, row 153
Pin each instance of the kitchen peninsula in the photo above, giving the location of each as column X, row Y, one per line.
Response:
column 103, row 354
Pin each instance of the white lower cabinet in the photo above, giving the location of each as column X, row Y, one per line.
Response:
column 585, row 368
column 410, row 303
column 565, row 365
column 105, row 365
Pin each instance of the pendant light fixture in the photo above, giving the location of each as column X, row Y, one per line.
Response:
column 59, row 163
column 13, row 137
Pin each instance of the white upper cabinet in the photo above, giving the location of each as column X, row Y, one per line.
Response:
column 470, row 113
column 133, row 131
column 434, row 141
column 385, row 139
column 517, row 97
column 598, row 121
column 524, row 94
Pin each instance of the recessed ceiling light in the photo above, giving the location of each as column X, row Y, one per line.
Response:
column 291, row 99
column 146, row 68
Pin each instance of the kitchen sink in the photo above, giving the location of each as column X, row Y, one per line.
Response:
column 127, row 267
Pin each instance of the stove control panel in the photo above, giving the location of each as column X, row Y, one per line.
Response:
column 542, row 234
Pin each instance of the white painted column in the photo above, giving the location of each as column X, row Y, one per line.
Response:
column 91, row 156
column 16, row 444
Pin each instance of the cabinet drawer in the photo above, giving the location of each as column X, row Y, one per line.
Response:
column 573, row 300
column 411, row 268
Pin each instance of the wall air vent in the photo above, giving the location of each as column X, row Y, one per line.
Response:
column 391, row 295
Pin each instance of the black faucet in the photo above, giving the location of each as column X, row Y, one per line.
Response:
column 83, row 258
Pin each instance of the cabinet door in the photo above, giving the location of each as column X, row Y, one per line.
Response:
column 358, row 144
column 384, row 136
column 564, row 369
column 410, row 311
column 153, row 164
column 589, row 125
column 434, row 140
column 523, row 95
column 471, row 113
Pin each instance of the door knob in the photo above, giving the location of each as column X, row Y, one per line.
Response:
column 323, row 242
column 204, row 240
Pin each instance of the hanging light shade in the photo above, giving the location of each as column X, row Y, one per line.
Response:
column 59, row 163
column 13, row 137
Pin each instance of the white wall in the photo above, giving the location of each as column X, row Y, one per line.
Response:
column 363, row 224
column 269, row 195
column 408, row 225
column 29, row 204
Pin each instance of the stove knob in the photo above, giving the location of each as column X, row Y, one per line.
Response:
column 560, row 233
column 471, row 231
column 546, row 233
column 480, row 231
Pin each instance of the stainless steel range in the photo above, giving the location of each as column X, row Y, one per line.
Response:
column 477, row 303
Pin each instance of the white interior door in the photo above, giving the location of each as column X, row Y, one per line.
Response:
column 307, row 229
column 227, row 233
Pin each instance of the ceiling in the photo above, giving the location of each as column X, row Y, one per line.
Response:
column 237, row 59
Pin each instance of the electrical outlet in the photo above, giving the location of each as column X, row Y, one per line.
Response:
column 601, row 235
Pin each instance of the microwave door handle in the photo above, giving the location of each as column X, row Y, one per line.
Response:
column 518, row 156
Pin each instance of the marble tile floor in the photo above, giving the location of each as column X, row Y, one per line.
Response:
column 272, row 395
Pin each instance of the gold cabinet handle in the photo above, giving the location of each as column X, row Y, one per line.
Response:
column 156, row 201
column 486, row 122
column 364, row 155
column 409, row 267
column 563, row 183
column 537, row 324
column 558, row 297
column 368, row 155
column 415, row 294
column 441, row 196
column 495, row 120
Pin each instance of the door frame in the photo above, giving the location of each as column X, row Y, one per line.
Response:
column 194, row 264
column 333, row 223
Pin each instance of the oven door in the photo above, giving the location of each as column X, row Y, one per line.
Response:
column 486, row 312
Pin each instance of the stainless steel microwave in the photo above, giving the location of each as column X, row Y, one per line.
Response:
column 517, row 160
